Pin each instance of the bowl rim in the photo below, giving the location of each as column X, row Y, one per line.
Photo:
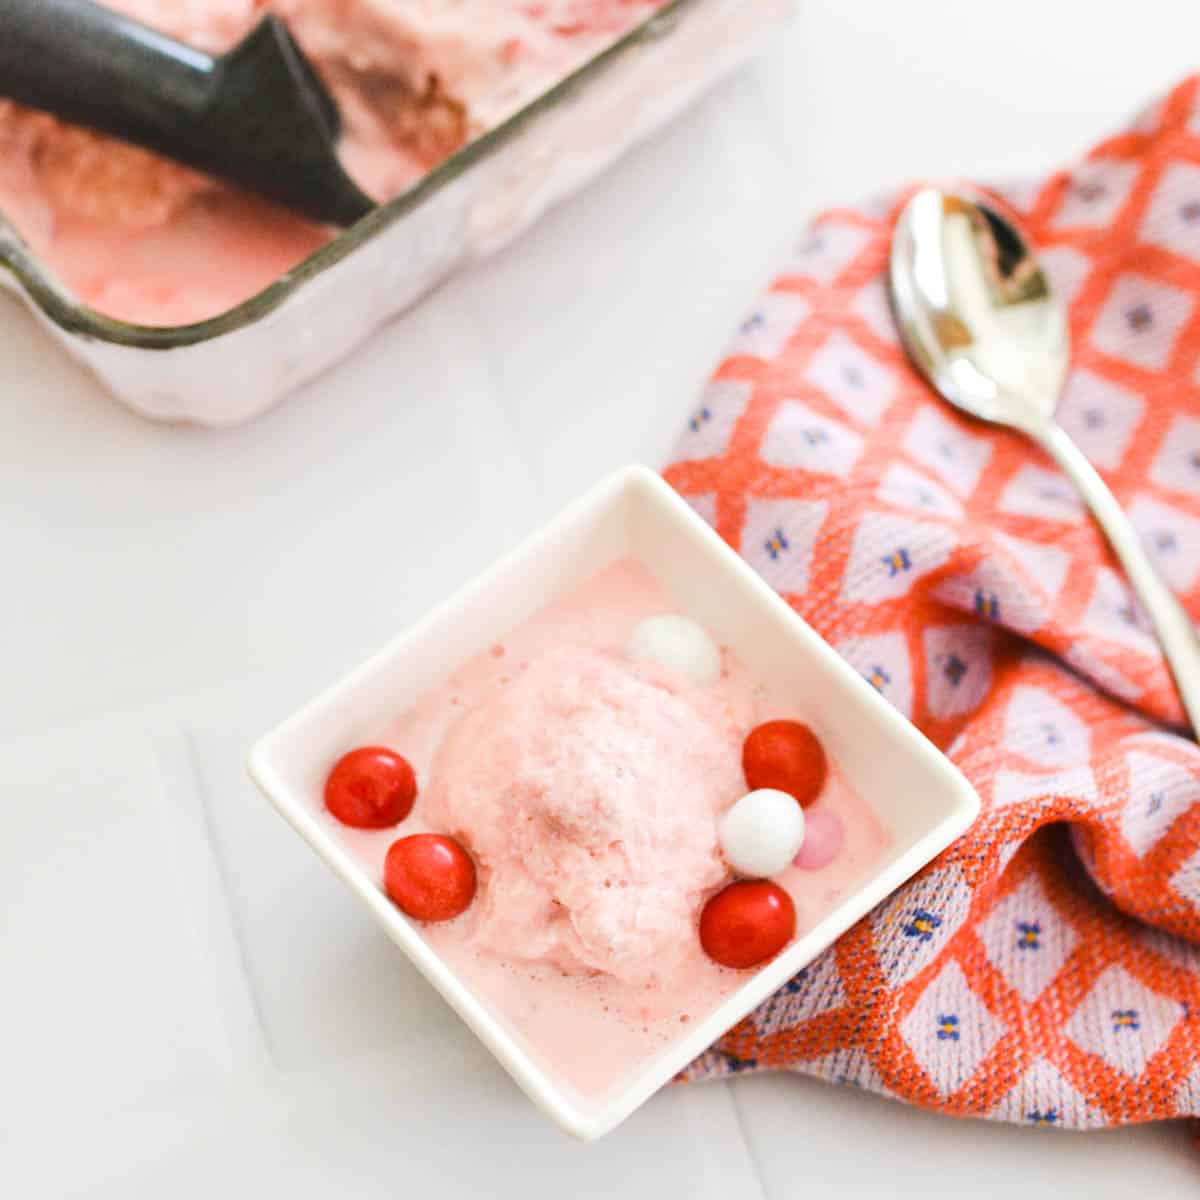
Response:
column 583, row 1120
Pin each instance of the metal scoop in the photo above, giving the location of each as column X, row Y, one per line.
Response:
column 257, row 116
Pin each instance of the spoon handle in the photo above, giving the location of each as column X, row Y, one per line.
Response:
column 1176, row 633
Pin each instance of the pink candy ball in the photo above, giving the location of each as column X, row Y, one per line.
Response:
column 823, row 837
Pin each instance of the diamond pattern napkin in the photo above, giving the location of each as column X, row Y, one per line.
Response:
column 1045, row 969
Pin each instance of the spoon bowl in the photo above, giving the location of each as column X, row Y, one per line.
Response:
column 976, row 311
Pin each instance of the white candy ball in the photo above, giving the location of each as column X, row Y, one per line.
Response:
column 679, row 644
column 762, row 832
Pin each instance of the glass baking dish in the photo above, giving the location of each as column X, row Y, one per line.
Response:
column 234, row 366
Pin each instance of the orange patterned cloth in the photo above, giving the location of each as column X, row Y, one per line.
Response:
column 1046, row 968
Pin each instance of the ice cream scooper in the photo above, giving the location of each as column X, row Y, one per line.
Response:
column 257, row 116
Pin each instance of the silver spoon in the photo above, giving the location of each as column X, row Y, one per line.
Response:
column 979, row 320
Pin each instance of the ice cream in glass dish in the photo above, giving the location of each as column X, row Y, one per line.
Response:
column 603, row 825
column 144, row 240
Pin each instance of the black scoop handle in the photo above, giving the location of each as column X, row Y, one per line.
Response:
column 96, row 67
column 256, row 115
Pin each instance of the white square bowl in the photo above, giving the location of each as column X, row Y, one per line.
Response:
column 922, row 801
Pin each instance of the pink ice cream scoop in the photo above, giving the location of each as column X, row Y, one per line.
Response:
column 589, row 790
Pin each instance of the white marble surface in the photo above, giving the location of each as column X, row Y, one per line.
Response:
column 189, row 1004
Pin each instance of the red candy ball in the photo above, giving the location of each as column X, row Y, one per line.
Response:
column 429, row 876
column 371, row 788
column 786, row 756
column 747, row 923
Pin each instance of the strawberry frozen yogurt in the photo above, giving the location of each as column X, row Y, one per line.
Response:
column 587, row 784
column 591, row 793
column 145, row 240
